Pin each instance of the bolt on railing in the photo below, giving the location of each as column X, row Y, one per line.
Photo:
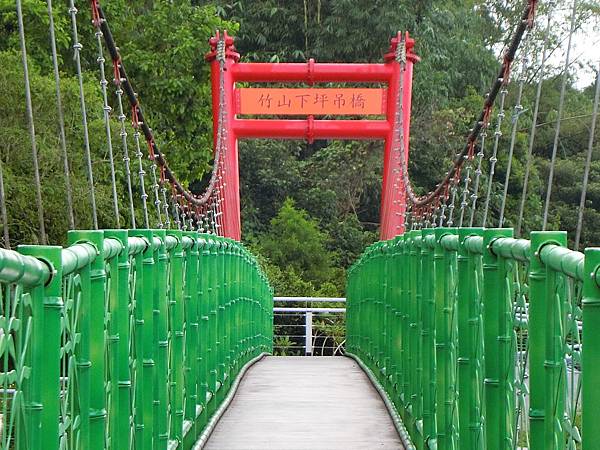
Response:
column 125, row 339
column 479, row 339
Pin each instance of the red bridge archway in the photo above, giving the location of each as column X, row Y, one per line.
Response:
column 311, row 102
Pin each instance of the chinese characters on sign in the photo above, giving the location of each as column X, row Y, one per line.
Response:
column 333, row 101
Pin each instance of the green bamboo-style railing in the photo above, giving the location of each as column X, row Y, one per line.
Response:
column 125, row 339
column 479, row 340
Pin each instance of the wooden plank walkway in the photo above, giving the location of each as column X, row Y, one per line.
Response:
column 298, row 403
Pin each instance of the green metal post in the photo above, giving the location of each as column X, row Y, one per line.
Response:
column 233, row 306
column 396, row 275
column 410, row 331
column 238, row 309
column 373, row 319
column 428, row 338
column 392, row 319
column 378, row 311
column 554, row 370
column 144, row 342
column 227, row 275
column 370, row 316
column 385, row 313
column 247, row 290
column 537, row 343
column 193, row 374
column 221, row 320
column 119, row 344
column 591, row 350
column 469, row 322
column 161, row 340
column 205, row 344
column 405, row 293
column 444, row 266
column 213, row 340
column 96, row 338
column 415, row 339
column 176, row 331
column 494, row 316
column 41, row 392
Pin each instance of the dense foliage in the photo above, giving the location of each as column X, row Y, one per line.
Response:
column 170, row 75
column 309, row 210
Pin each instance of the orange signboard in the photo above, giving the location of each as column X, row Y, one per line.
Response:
column 315, row 101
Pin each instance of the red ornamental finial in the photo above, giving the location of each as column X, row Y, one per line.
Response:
column 230, row 51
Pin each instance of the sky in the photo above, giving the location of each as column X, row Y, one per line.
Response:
column 585, row 48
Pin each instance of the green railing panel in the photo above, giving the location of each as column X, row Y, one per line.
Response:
column 479, row 339
column 125, row 339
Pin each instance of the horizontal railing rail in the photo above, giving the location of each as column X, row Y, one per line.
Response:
column 310, row 299
column 125, row 339
column 280, row 309
column 308, row 330
column 480, row 339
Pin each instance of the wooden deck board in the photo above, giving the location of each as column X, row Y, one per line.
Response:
column 297, row 403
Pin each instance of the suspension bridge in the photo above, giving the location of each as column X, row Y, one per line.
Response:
column 461, row 333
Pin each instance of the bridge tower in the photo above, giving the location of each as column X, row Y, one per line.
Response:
column 385, row 114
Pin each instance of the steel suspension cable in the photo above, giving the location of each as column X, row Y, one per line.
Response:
column 86, row 137
column 106, row 109
column 202, row 219
column 165, row 204
column 444, row 205
column 398, row 147
column 190, row 218
column 494, row 157
column 183, row 217
column 478, row 171
column 453, row 192
column 141, row 172
column 124, row 146
column 144, row 127
column 3, row 211
column 561, row 104
column 517, row 111
column 221, row 140
column 61, row 119
column 469, row 166
column 31, row 126
column 588, row 161
column 525, row 23
column 536, row 109
column 176, row 209
column 218, row 212
column 155, row 190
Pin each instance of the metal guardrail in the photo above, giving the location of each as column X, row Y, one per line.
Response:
column 125, row 339
column 481, row 339
column 311, row 299
column 308, row 330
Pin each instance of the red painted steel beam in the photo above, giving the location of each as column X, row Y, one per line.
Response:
column 310, row 129
column 393, row 194
column 312, row 72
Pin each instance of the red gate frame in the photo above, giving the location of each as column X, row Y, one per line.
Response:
column 392, row 209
